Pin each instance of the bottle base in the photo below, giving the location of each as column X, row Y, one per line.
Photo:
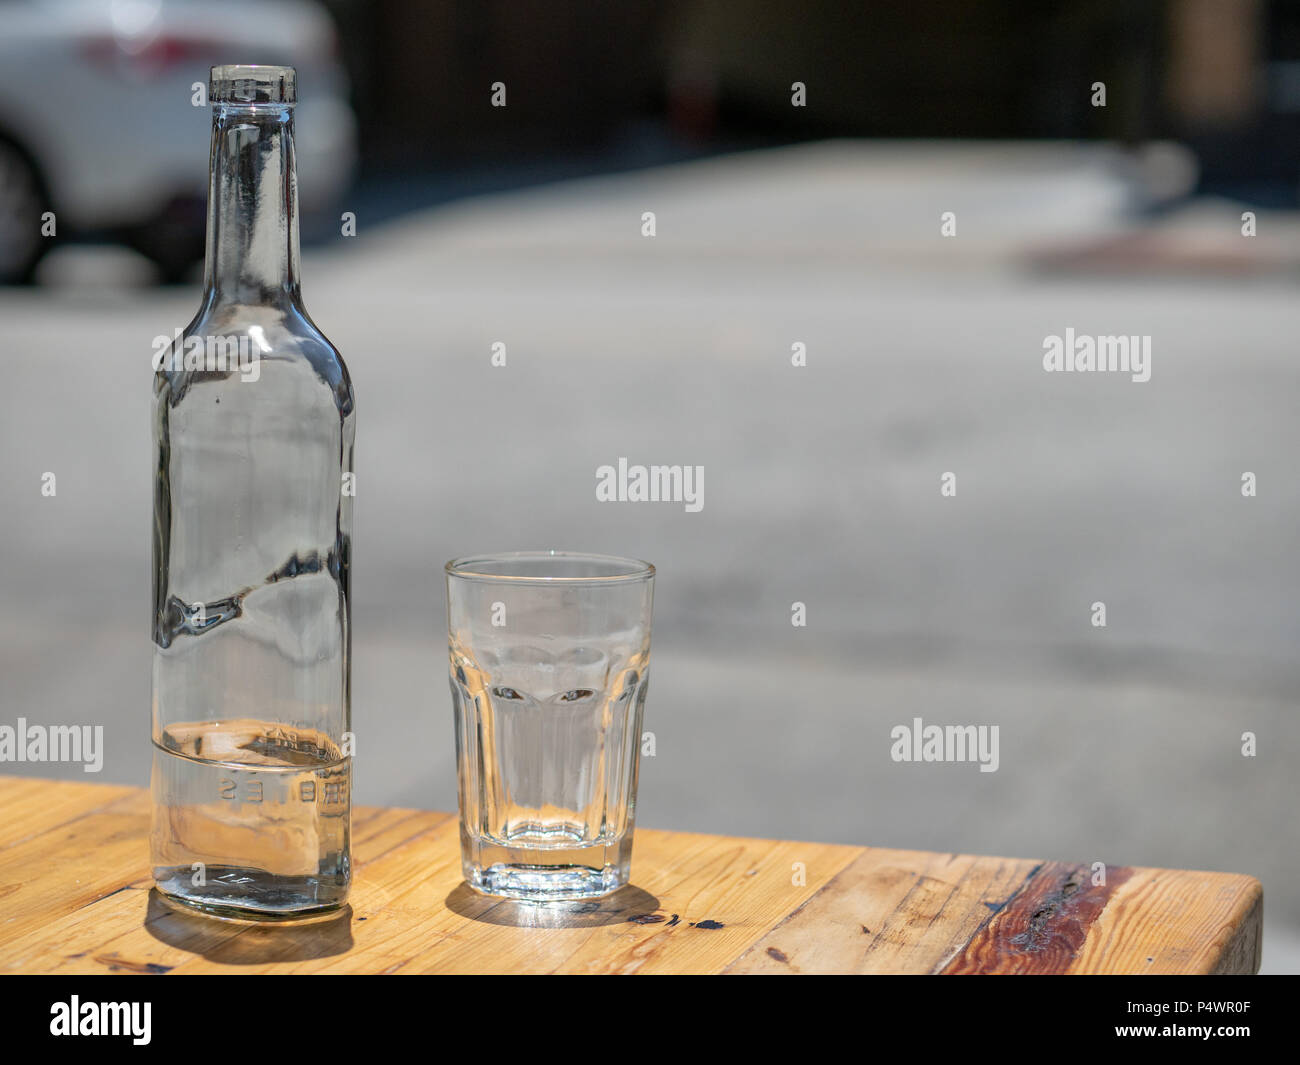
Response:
column 250, row 898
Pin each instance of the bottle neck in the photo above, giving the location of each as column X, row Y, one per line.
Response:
column 252, row 245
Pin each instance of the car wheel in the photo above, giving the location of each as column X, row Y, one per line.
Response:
column 22, row 203
column 173, row 239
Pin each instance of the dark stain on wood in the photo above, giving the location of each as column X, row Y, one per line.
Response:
column 779, row 955
column 1042, row 927
column 866, row 931
column 708, row 925
column 147, row 968
column 672, row 920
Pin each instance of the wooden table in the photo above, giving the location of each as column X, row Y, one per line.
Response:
column 75, row 897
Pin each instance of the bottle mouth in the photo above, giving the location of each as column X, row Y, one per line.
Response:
column 253, row 85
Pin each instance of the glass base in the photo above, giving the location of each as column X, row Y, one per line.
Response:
column 544, row 862
column 543, row 883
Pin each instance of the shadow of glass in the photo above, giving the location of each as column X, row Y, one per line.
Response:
column 627, row 905
column 233, row 942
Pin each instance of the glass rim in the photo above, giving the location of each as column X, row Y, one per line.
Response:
column 464, row 568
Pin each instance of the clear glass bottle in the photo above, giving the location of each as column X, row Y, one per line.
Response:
column 253, row 429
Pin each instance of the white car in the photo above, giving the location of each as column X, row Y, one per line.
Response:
column 99, row 124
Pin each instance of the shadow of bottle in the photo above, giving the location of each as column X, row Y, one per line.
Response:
column 234, row 942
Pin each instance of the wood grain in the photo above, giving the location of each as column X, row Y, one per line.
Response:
column 75, row 897
column 1043, row 926
column 29, row 807
column 891, row 911
column 1169, row 921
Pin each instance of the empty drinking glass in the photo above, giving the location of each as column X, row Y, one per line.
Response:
column 549, row 659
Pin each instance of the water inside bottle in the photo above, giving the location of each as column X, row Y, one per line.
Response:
column 251, row 816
